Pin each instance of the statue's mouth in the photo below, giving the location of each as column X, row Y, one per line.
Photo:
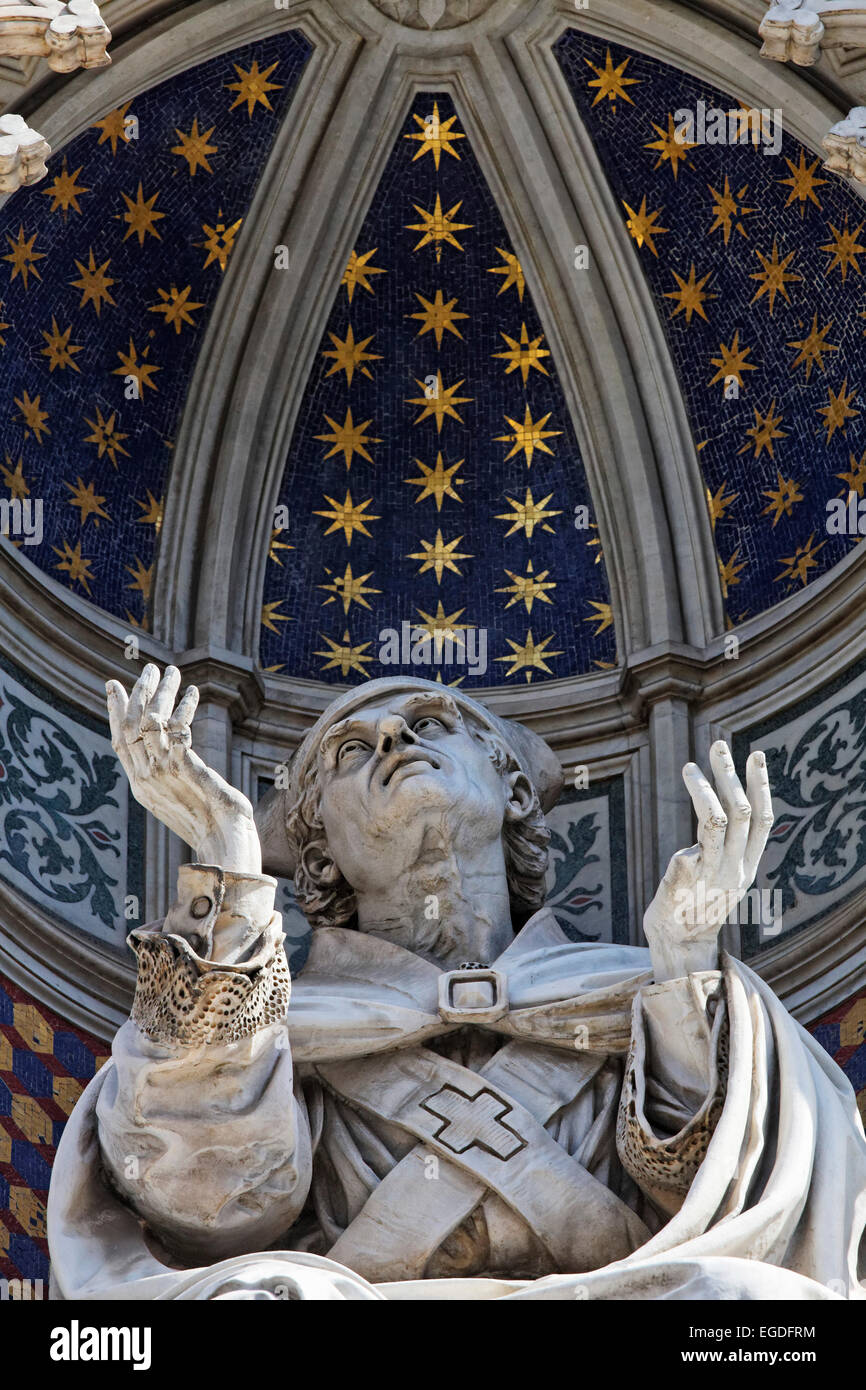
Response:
column 406, row 759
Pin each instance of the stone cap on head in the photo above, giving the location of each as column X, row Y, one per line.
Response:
column 534, row 757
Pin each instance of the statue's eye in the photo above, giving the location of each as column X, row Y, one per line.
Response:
column 428, row 725
column 352, row 749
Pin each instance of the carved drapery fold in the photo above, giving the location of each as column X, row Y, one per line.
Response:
column 665, row 1166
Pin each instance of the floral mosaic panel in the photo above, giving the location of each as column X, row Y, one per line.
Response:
column 816, row 856
column 70, row 833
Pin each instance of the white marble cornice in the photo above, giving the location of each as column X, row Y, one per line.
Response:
column 845, row 144
column 23, row 153
column 796, row 31
column 68, row 36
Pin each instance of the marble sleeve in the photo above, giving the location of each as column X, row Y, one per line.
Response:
column 202, row 1129
column 674, row 1085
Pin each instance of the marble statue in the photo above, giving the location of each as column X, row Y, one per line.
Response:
column 452, row 1100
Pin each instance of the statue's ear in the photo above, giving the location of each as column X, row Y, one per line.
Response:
column 521, row 796
column 319, row 865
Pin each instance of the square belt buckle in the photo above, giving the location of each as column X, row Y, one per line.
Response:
column 472, row 996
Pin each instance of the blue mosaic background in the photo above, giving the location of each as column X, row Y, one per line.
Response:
column 69, row 435
column 796, row 436
column 434, row 253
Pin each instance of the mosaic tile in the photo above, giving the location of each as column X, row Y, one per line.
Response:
column 816, row 854
column 37, row 1089
column 750, row 257
column 109, row 271
column 434, row 477
column 71, row 834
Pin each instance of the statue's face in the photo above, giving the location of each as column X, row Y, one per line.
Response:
column 402, row 778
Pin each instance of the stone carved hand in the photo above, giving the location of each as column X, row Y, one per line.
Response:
column 703, row 884
column 153, row 741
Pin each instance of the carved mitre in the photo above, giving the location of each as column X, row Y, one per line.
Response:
column 22, row 154
column 845, row 144
column 535, row 759
column 68, row 35
column 432, row 14
column 791, row 30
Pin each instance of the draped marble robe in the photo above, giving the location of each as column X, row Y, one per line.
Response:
column 602, row 1137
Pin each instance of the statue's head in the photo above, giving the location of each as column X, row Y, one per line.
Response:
column 393, row 772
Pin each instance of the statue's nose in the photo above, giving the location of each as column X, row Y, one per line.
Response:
column 393, row 729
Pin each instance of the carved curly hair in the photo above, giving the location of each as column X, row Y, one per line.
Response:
column 328, row 899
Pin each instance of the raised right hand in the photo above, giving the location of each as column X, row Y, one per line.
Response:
column 153, row 741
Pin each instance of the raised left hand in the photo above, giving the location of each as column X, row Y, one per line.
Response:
column 703, row 884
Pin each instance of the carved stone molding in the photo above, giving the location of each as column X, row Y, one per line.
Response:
column 23, row 153
column 17, row 71
column 432, row 14
column 847, row 64
column 791, row 32
column 224, row 679
column 68, row 36
column 845, row 144
column 797, row 30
